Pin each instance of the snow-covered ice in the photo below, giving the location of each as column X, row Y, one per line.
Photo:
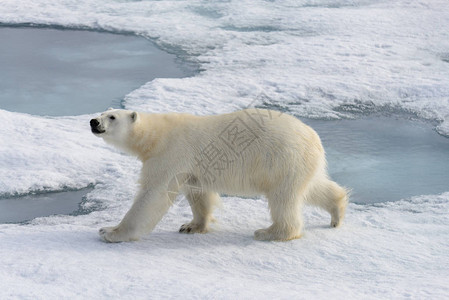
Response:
column 395, row 250
column 313, row 58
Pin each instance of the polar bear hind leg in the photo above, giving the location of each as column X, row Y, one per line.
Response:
column 202, row 204
column 286, row 213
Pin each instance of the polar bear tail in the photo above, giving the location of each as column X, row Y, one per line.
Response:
column 329, row 196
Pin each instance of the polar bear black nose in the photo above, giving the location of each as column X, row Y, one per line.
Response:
column 94, row 123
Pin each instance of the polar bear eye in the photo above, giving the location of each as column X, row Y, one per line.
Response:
column 112, row 118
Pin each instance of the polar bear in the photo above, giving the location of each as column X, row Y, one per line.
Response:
column 245, row 153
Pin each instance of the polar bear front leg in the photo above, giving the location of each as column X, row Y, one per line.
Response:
column 147, row 210
column 116, row 234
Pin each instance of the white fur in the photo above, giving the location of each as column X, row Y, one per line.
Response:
column 254, row 151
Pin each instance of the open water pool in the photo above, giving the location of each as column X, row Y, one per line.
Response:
column 50, row 72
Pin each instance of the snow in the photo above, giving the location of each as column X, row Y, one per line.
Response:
column 34, row 156
column 394, row 250
column 313, row 58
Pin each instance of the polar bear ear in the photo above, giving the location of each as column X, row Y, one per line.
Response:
column 110, row 108
column 134, row 116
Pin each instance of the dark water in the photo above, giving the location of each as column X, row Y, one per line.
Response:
column 385, row 158
column 69, row 72
column 19, row 209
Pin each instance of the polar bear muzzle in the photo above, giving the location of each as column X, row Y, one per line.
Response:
column 95, row 126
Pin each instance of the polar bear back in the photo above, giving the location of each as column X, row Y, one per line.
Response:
column 251, row 150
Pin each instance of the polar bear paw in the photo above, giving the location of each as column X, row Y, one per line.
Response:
column 193, row 228
column 272, row 234
column 115, row 235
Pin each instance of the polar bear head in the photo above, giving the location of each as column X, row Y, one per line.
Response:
column 115, row 126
